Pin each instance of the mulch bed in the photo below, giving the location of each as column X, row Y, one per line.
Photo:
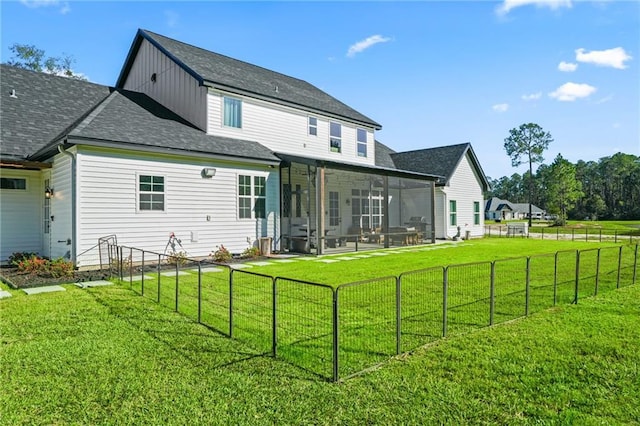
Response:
column 16, row 279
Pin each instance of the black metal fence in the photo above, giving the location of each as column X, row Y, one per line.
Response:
column 338, row 332
column 630, row 236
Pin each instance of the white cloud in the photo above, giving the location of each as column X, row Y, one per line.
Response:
column 33, row 4
column 567, row 66
column 508, row 5
column 532, row 96
column 615, row 57
column 500, row 107
column 172, row 18
column 365, row 44
column 569, row 92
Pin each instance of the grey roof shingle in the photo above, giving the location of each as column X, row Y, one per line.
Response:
column 232, row 74
column 47, row 108
column 44, row 107
column 383, row 155
column 441, row 161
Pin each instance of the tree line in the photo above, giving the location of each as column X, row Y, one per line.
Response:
column 605, row 189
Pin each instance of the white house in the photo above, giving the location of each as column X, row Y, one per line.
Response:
column 499, row 209
column 213, row 149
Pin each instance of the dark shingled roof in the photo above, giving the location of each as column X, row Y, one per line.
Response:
column 237, row 76
column 441, row 161
column 48, row 108
column 383, row 155
column 45, row 106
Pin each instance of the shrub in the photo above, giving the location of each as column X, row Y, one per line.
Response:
column 60, row 268
column 20, row 256
column 178, row 258
column 250, row 252
column 221, row 254
column 33, row 265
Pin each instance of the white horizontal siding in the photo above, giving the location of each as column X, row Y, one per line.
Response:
column 108, row 203
column 284, row 129
column 465, row 187
column 21, row 215
column 174, row 88
column 61, row 207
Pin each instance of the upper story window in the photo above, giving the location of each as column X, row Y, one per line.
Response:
column 361, row 138
column 151, row 192
column 232, row 113
column 313, row 126
column 335, row 137
column 13, row 183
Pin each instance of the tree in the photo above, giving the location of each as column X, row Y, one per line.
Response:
column 564, row 189
column 527, row 142
column 31, row 58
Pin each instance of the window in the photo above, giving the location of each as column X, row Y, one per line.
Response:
column 453, row 213
column 13, row 183
column 151, row 192
column 252, row 191
column 367, row 208
column 335, row 137
column 362, row 142
column 232, row 112
column 313, row 126
column 476, row 212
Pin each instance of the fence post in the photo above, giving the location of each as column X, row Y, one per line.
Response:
column 199, row 292
column 130, row 267
column 573, row 234
column 555, row 279
column 595, row 292
column 557, row 234
column 575, row 298
column 445, row 284
column 177, row 283
column 600, row 234
column 615, row 236
column 619, row 266
column 142, row 275
column 398, row 316
column 527, row 287
column 542, row 229
column 336, row 340
column 586, row 234
column 635, row 265
column 492, row 293
column 120, row 261
column 231, row 303
column 274, row 317
column 158, row 268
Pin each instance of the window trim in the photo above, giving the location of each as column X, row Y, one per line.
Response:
column 139, row 192
column 253, row 197
column 476, row 212
column 337, row 138
column 7, row 178
column 453, row 213
column 312, row 126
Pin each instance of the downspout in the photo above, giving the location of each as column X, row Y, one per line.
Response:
column 73, row 201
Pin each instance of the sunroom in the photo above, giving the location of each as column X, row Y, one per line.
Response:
column 329, row 207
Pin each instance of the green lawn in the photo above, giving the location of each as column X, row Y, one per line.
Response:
column 108, row 356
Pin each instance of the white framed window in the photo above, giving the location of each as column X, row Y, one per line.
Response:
column 335, row 137
column 313, row 126
column 334, row 208
column 476, row 212
column 13, row 183
column 252, row 197
column 453, row 212
column 361, row 139
column 232, row 112
column 151, row 190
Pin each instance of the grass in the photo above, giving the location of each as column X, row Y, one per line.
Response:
column 108, row 356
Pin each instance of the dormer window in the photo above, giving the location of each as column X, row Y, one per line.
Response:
column 232, row 113
column 361, row 136
column 313, row 126
column 335, row 137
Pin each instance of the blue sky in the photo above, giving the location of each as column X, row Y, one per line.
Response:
column 432, row 73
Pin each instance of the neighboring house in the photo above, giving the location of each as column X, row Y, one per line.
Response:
column 460, row 190
column 214, row 149
column 498, row 209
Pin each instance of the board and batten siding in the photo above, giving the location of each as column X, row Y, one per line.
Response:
column 173, row 87
column 21, row 215
column 464, row 187
column 286, row 130
column 202, row 212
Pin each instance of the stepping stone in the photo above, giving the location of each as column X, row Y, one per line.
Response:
column 207, row 270
column 173, row 273
column 4, row 294
column 362, row 256
column 88, row 284
column 240, row 266
column 136, row 278
column 284, row 261
column 260, row 263
column 346, row 258
column 328, row 260
column 379, row 253
column 47, row 289
column 306, row 258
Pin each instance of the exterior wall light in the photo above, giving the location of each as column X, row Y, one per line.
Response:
column 48, row 192
column 208, row 172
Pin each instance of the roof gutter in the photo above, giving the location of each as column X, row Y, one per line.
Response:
column 61, row 150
